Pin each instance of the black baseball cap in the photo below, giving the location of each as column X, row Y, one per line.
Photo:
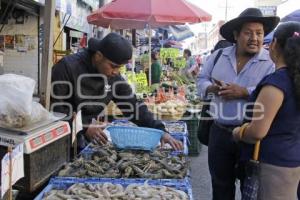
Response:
column 113, row 46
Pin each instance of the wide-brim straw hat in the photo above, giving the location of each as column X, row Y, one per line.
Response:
column 248, row 15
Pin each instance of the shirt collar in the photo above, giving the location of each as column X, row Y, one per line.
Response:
column 262, row 55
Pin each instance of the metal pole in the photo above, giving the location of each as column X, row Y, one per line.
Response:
column 149, row 55
column 133, row 59
column 226, row 6
column 134, row 49
column 65, row 23
column 206, row 38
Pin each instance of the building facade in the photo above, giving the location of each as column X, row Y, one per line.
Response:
column 22, row 33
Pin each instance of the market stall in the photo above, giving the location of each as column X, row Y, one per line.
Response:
column 141, row 14
column 124, row 172
column 147, row 165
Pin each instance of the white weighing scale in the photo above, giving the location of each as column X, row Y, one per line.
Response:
column 36, row 136
column 46, row 150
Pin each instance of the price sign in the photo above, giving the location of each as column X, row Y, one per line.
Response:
column 17, row 168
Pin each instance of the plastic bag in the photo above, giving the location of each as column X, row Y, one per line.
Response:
column 39, row 113
column 17, row 106
column 15, row 100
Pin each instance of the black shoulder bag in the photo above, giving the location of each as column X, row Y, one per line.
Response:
column 205, row 119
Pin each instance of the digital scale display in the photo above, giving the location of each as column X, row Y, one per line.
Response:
column 48, row 136
column 60, row 130
column 37, row 141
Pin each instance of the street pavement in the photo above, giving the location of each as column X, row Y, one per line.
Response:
column 200, row 178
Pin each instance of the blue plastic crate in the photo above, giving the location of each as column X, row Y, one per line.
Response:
column 124, row 137
column 64, row 183
column 175, row 133
column 184, row 140
column 125, row 121
column 166, row 123
column 122, row 122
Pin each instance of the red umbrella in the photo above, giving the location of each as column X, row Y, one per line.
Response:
column 136, row 14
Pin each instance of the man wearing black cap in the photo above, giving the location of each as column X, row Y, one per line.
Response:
column 90, row 79
column 229, row 81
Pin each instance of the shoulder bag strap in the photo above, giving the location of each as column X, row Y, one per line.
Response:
column 216, row 60
column 217, row 57
column 256, row 151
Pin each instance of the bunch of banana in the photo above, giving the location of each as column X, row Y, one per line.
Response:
column 171, row 53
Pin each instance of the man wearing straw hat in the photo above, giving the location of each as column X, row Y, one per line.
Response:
column 229, row 82
column 90, row 79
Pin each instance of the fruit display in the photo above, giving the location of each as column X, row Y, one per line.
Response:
column 168, row 53
column 169, row 110
column 180, row 79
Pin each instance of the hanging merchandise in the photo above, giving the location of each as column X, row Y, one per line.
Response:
column 9, row 41
column 20, row 43
column 180, row 32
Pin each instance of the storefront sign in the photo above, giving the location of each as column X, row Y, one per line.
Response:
column 93, row 3
column 76, row 34
column 268, row 10
column 64, row 6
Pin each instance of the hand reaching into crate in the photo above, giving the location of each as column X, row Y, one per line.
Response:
column 95, row 132
column 175, row 144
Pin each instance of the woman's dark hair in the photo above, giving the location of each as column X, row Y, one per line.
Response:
column 188, row 52
column 288, row 39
